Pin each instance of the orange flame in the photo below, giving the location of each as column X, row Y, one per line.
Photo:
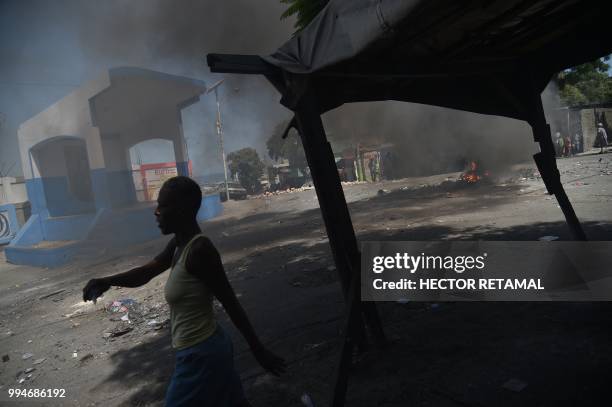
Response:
column 471, row 175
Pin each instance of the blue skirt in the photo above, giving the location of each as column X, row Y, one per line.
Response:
column 204, row 375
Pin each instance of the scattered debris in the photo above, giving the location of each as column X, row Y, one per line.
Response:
column 51, row 294
column 29, row 370
column 86, row 357
column 265, row 379
column 307, row 400
column 514, row 385
column 75, row 354
column 382, row 192
column 120, row 305
column 310, row 346
column 73, row 314
column 121, row 331
column 39, row 361
column 26, row 356
column 548, row 238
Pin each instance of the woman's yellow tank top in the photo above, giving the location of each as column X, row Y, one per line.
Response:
column 192, row 316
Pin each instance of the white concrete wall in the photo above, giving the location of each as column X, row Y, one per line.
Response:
column 589, row 127
column 12, row 191
column 68, row 117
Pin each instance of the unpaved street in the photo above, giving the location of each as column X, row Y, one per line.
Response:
column 277, row 256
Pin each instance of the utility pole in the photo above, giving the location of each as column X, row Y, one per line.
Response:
column 220, row 132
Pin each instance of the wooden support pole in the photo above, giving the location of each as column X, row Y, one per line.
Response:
column 340, row 232
column 546, row 162
column 352, row 327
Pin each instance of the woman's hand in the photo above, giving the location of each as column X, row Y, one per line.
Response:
column 269, row 361
column 94, row 289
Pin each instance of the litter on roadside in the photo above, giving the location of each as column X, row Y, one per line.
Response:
column 514, row 385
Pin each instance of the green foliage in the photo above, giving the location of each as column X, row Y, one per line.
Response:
column 586, row 83
column 289, row 148
column 246, row 163
column 304, row 10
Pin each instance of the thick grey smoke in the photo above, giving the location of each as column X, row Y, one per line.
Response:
column 64, row 43
column 174, row 37
column 433, row 139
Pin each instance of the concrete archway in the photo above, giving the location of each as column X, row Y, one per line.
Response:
column 65, row 183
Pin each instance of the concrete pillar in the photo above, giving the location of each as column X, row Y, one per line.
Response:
column 120, row 184
column 181, row 156
column 99, row 183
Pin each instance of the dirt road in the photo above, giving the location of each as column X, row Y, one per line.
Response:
column 278, row 259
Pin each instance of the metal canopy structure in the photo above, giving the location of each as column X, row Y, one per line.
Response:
column 488, row 57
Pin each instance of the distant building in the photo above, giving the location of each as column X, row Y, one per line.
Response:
column 582, row 120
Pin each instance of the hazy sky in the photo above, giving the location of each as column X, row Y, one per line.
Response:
column 50, row 47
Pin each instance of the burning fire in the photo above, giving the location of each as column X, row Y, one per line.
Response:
column 473, row 173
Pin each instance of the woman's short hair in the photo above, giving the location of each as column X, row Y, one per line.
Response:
column 187, row 191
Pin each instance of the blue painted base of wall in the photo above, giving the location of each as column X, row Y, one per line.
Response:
column 41, row 257
column 53, row 194
column 108, row 228
column 210, row 207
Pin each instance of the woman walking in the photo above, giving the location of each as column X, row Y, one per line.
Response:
column 204, row 373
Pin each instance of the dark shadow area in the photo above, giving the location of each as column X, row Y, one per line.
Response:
column 146, row 367
column 443, row 354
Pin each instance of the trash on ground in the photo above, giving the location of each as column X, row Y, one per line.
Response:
column 120, row 332
column 514, row 385
column 87, row 357
column 73, row 314
column 306, row 400
column 51, row 294
column 39, row 361
column 26, row 356
column 548, row 238
column 29, row 370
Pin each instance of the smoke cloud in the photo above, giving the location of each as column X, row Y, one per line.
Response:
column 64, row 43
column 433, row 139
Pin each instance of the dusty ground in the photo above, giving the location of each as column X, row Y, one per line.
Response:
column 277, row 256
